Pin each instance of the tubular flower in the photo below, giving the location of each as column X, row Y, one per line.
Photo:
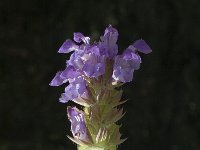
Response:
column 78, row 126
column 93, row 72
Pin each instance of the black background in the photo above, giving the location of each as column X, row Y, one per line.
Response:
column 163, row 111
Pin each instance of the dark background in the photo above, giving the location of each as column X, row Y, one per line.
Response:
column 163, row 111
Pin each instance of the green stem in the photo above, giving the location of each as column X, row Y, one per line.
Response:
column 94, row 148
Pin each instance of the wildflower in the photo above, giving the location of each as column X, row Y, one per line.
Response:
column 92, row 73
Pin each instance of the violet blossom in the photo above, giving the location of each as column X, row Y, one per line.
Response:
column 78, row 126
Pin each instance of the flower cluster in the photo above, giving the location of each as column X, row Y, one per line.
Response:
column 92, row 69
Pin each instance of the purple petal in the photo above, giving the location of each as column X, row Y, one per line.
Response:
column 69, row 73
column 63, row 76
column 123, row 69
column 78, row 126
column 78, row 80
column 95, row 50
column 108, row 45
column 75, row 89
column 81, row 88
column 67, row 47
column 142, row 46
column 79, row 85
column 64, row 98
column 75, row 61
column 70, row 92
column 123, row 75
column 127, row 54
column 111, row 34
column 79, row 37
column 57, row 80
column 99, row 69
column 133, row 58
column 94, row 66
column 88, row 69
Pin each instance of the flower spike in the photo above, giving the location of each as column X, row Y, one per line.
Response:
column 94, row 74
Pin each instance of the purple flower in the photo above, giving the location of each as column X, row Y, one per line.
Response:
column 108, row 44
column 76, row 61
column 129, row 61
column 63, row 76
column 111, row 35
column 125, row 65
column 78, row 126
column 133, row 58
column 122, row 70
column 75, row 89
column 90, row 60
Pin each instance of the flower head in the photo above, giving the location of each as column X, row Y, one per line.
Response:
column 78, row 126
column 89, row 60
